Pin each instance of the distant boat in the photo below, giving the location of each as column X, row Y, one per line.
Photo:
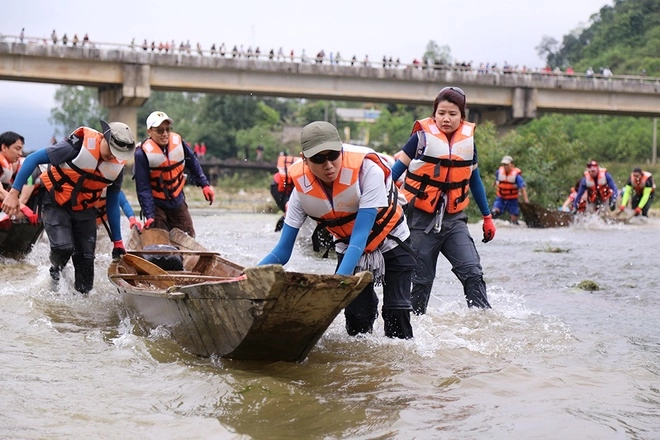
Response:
column 213, row 306
column 536, row 216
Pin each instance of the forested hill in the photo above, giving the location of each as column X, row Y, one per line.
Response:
column 624, row 36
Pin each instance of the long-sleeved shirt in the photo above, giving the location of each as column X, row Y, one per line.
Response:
column 143, row 184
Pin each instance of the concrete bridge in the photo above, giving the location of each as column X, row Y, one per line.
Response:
column 126, row 76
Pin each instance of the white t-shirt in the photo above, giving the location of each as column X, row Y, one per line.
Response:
column 373, row 195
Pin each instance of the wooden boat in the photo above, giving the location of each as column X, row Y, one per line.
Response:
column 17, row 240
column 536, row 216
column 216, row 307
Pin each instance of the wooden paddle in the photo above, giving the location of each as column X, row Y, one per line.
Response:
column 145, row 267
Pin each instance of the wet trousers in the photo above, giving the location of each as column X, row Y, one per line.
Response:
column 72, row 235
column 635, row 199
column 179, row 218
column 456, row 244
column 362, row 312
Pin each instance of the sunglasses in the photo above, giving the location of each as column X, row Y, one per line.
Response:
column 161, row 130
column 455, row 89
column 122, row 144
column 321, row 158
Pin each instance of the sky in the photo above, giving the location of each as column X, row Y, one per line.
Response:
column 475, row 30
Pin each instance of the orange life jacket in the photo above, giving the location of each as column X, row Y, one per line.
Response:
column 166, row 171
column 639, row 187
column 507, row 189
column 338, row 213
column 6, row 172
column 597, row 189
column 82, row 179
column 444, row 167
column 284, row 183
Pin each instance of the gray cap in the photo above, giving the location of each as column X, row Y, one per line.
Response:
column 319, row 136
column 506, row 160
column 120, row 139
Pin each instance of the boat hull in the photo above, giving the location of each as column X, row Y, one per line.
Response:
column 535, row 216
column 18, row 240
column 253, row 313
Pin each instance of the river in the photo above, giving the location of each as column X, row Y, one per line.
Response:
column 549, row 361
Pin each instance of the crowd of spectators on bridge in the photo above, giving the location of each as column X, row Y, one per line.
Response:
column 239, row 51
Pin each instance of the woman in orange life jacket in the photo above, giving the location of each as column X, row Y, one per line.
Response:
column 80, row 168
column 600, row 188
column 348, row 190
column 11, row 149
column 440, row 162
column 640, row 189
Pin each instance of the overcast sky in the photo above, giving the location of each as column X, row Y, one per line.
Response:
column 476, row 30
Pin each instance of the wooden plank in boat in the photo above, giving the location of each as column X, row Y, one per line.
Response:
column 170, row 252
column 145, row 267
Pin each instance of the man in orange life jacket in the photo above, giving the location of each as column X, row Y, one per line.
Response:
column 80, row 168
column 11, row 149
column 509, row 182
column 159, row 176
column 349, row 190
column 640, row 190
column 600, row 188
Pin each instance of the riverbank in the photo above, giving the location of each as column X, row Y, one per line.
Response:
column 255, row 200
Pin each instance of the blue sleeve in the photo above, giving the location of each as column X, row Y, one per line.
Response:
column 580, row 192
column 520, row 182
column 112, row 207
column 29, row 164
column 364, row 222
column 397, row 169
column 282, row 251
column 479, row 192
column 195, row 168
column 143, row 184
column 125, row 206
column 611, row 184
column 410, row 149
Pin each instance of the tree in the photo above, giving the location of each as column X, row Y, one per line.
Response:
column 436, row 54
column 77, row 106
column 547, row 50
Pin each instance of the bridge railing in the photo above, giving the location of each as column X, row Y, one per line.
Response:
column 265, row 57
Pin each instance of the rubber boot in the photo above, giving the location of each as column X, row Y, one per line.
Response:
column 475, row 292
column 354, row 328
column 397, row 323
column 362, row 312
column 84, row 273
column 58, row 259
column 419, row 298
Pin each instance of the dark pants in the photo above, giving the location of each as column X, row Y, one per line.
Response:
column 456, row 244
column 175, row 218
column 635, row 202
column 71, row 234
column 362, row 312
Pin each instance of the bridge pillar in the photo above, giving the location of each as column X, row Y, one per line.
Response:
column 123, row 101
column 524, row 104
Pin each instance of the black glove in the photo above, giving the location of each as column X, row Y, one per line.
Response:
column 280, row 224
column 612, row 203
column 118, row 249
